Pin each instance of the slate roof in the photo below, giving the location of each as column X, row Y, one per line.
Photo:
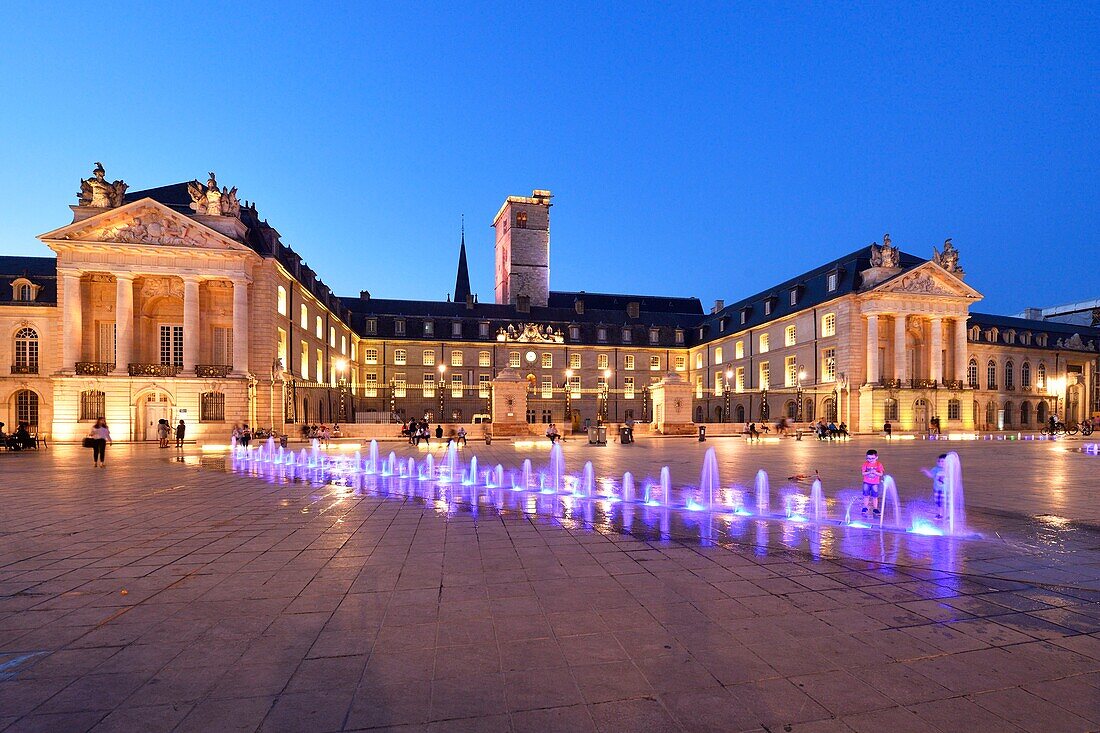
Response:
column 39, row 270
column 1055, row 330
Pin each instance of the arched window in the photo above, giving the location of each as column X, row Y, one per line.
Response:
column 93, row 405
column 1010, row 376
column 282, row 301
column 890, row 409
column 990, row 414
column 808, row 410
column 718, row 414
column 1025, row 375
column 790, row 410
column 26, row 407
column 26, row 351
column 954, row 409
column 1041, row 377
column 828, row 325
column 740, row 413
column 991, row 374
column 699, row 414
column 1025, row 413
column 1010, row 414
column 1042, row 412
column 972, row 373
column 830, row 409
column 212, row 407
column 975, row 411
column 24, row 292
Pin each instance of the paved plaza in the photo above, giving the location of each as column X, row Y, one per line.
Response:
column 168, row 593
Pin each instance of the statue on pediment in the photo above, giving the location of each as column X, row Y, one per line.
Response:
column 96, row 192
column 886, row 255
column 213, row 201
column 949, row 258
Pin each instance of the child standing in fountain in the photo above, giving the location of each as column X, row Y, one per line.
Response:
column 939, row 483
column 872, row 472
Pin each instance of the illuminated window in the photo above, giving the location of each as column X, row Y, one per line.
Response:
column 718, row 385
column 739, row 350
column 628, row 362
column 484, row 359
column 654, row 363
column 429, row 384
column 483, row 385
column 718, row 355
column 575, row 385
column 972, row 373
column 546, row 388
column 456, row 385
column 282, row 347
column 698, row 387
column 400, row 386
column 513, row 359
column 547, row 360
column 574, row 361
column 601, row 361
column 319, row 327
column 764, row 341
column 429, row 328
column 429, row 357
column 26, row 350
column 305, row 316
column 332, row 336
column 681, row 363
column 319, row 362
column 739, row 379
column 790, row 336
column 456, row 358
column 628, row 388
column 521, row 220
column 828, row 364
column 765, row 375
column 400, row 356
column 370, row 384
column 828, row 325
column 303, row 366
column 790, row 372
column 699, row 360
column 1041, row 376
column 281, row 300
column 370, row 356
column 343, row 344
column 1025, row 375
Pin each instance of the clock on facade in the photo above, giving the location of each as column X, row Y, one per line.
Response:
column 531, row 356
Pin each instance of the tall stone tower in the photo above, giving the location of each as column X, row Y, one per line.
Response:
column 523, row 249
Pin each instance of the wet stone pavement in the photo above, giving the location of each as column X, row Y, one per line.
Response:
column 176, row 595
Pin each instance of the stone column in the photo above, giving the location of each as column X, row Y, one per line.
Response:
column 935, row 363
column 901, row 364
column 191, row 338
column 124, row 322
column 872, row 349
column 960, row 350
column 240, row 326
column 72, row 322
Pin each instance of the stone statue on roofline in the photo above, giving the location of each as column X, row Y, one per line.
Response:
column 949, row 258
column 97, row 193
column 212, row 201
column 886, row 255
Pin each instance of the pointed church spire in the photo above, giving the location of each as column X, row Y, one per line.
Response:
column 462, row 281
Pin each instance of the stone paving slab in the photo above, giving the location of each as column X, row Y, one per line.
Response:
column 160, row 595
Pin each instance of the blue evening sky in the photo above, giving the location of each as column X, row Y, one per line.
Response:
column 704, row 149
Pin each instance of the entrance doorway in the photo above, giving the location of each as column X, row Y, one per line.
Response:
column 920, row 415
column 153, row 408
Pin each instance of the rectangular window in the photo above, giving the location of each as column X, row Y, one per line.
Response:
column 370, row 356
column 739, row 350
column 767, row 307
column 794, row 297
column 429, row 328
column 319, row 328
column 513, row 359
column 370, row 384
column 575, row 386
column 828, row 364
column 305, row 316
column 654, row 335
column 681, row 363
column 828, row 325
column 739, row 379
column 456, row 385
column 343, row 344
column 718, row 355
column 764, row 343
column 628, row 336
column 429, row 384
column 654, row 363
column 332, row 336
column 699, row 360
column 790, row 336
column 223, row 346
column 303, row 360
column 574, row 333
column 372, row 326
column 281, row 301
column 547, row 388
column 400, row 387
column 456, row 358
column 105, row 342
column 429, row 357
column 456, row 329
column 718, row 385
column 790, row 372
column 699, row 387
column 483, row 385
column 400, row 357
column 483, row 329
column 171, row 345
column 601, row 334
column 744, row 317
column 831, row 282
column 212, row 407
column 601, row 361
column 93, row 405
column 574, row 361
column 628, row 362
column 283, row 343
column 628, row 388
column 484, row 359
column 319, row 374
column 679, row 336
column 547, row 360
column 765, row 375
column 399, row 326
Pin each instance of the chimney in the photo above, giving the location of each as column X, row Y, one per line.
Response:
column 718, row 305
column 523, row 304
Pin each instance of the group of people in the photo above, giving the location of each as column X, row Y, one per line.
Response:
column 418, row 430
column 19, row 440
column 872, row 472
column 321, row 432
column 164, row 432
column 241, row 434
column 829, row 430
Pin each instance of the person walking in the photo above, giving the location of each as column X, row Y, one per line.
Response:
column 100, row 435
column 181, row 430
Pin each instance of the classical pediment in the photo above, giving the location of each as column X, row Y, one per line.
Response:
column 928, row 279
column 144, row 222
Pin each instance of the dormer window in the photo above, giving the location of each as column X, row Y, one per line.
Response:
column 795, row 294
column 23, row 290
column 632, row 309
column 744, row 316
column 723, row 323
column 399, row 326
column 371, row 326
column 483, row 329
column 456, row 329
column 429, row 328
column 628, row 336
column 601, row 334
column 578, row 306
column 769, row 305
column 679, row 335
column 654, row 335
column 975, row 333
column 1010, row 336
column 574, row 333
column 1041, row 339
column 1025, row 338
column 832, row 280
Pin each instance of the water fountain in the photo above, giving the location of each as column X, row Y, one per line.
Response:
column 666, row 486
column 819, row 510
column 627, row 490
column 587, row 481
column 557, row 467
column 763, row 499
column 709, row 482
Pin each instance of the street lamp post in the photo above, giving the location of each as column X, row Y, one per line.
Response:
column 606, row 393
column 726, row 393
column 442, row 389
column 568, row 395
column 801, row 376
column 342, row 385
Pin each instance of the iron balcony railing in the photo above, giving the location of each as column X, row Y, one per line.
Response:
column 212, row 370
column 94, row 368
column 154, row 370
column 24, row 368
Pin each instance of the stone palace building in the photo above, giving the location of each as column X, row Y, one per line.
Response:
column 180, row 302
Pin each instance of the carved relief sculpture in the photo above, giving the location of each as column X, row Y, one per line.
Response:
column 98, row 193
column 921, row 283
column 949, row 258
column 211, row 200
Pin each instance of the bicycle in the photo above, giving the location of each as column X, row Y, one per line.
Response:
column 1060, row 428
